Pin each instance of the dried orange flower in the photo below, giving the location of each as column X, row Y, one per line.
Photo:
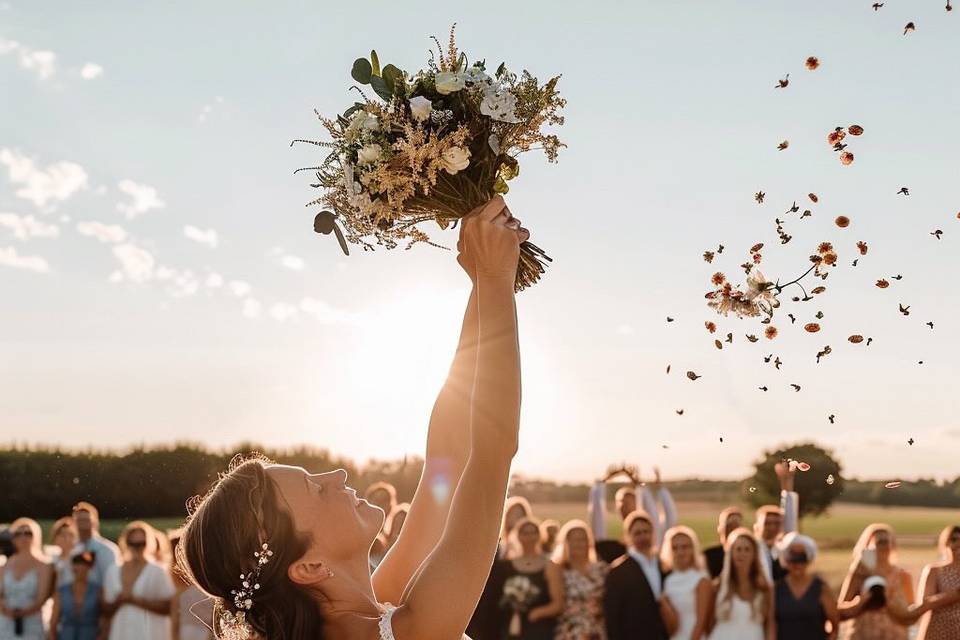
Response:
column 718, row 278
column 863, row 247
column 718, row 344
column 757, row 258
column 708, row 256
column 882, row 284
column 813, row 197
column 846, row 158
column 830, row 259
column 855, row 130
column 842, row 221
column 812, row 63
column 756, row 247
column 770, row 332
column 856, row 338
column 811, row 327
column 824, row 247
column 711, row 327
column 835, row 136
column 817, row 290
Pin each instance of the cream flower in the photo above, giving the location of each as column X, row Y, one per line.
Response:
column 363, row 121
column 420, row 108
column 447, row 82
column 500, row 106
column 369, row 153
column 455, row 159
column 476, row 75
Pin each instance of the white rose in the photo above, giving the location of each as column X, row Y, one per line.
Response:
column 420, row 107
column 455, row 159
column 476, row 75
column 369, row 153
column 364, row 121
column 500, row 106
column 447, row 82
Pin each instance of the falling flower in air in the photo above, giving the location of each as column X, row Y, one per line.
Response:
column 782, row 84
column 806, row 214
column 831, row 418
column 949, row 7
column 819, row 315
column 793, row 318
column 827, row 350
column 668, row 369
column 794, row 208
column 818, row 290
column 796, row 387
column 830, row 478
column 752, row 338
column 692, row 375
column 855, row 130
column 783, row 145
column 770, row 333
column 720, row 249
column 855, row 261
column 768, row 358
column 758, row 196
column 930, row 324
column 937, row 233
column 905, row 310
column 718, row 344
column 836, row 136
column 869, row 340
column 669, row 319
column 842, row 221
column 846, row 158
column 763, row 388
column 910, row 442
column 909, row 27
column 855, row 338
column 882, row 284
column 777, row 362
column 711, row 327
column 813, row 197
column 876, row 7
column 812, row 63
column 895, row 484
column 708, row 256
column 718, row 278
column 755, row 248
column 897, row 277
column 679, row 412
column 824, row 248
column 903, row 191
column 862, row 246
column 729, row 338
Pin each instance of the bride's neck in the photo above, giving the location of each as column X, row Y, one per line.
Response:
column 347, row 602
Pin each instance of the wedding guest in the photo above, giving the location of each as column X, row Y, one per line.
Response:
column 191, row 610
column 536, row 619
column 583, row 578
column 626, row 503
column 107, row 555
column 515, row 510
column 548, row 535
column 943, row 578
column 63, row 536
column 803, row 602
column 138, row 592
column 729, row 521
column 633, row 587
column 383, row 495
column 687, row 592
column 395, row 521
column 26, row 582
column 76, row 604
column 773, row 522
column 744, row 602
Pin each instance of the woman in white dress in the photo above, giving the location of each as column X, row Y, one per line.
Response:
column 744, row 599
column 687, row 592
column 138, row 592
column 26, row 583
column 285, row 552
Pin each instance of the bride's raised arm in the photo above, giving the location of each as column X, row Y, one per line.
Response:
column 442, row 596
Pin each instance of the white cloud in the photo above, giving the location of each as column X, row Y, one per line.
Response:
column 144, row 198
column 292, row 262
column 136, row 263
column 325, row 313
column 251, row 308
column 26, row 227
column 239, row 288
column 42, row 63
column 207, row 109
column 214, row 281
column 57, row 181
column 282, row 311
column 10, row 258
column 183, row 284
column 109, row 233
column 208, row 237
column 90, row 71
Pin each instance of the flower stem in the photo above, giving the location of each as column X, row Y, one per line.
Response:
column 781, row 287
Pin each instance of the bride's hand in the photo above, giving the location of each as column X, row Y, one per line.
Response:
column 490, row 239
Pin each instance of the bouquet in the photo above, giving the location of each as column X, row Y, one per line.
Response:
column 519, row 593
column 430, row 148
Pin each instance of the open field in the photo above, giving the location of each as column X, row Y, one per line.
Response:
column 836, row 532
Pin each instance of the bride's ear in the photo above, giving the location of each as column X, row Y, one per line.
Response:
column 305, row 573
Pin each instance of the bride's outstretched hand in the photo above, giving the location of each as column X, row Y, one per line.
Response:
column 490, row 239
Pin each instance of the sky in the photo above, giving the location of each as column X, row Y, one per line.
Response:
column 160, row 279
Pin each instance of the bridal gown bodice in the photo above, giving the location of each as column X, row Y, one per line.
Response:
column 386, row 625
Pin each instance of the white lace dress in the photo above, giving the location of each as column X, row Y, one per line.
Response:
column 20, row 594
column 131, row 622
column 741, row 624
column 386, row 626
column 681, row 589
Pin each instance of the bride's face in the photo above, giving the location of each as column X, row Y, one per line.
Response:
column 341, row 524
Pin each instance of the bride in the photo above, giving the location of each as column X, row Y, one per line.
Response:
column 285, row 551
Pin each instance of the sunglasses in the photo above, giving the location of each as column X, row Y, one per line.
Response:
column 137, row 545
column 25, row 533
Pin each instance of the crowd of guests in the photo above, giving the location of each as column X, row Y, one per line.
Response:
column 82, row 586
column 549, row 581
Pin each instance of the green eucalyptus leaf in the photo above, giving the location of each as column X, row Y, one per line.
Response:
column 376, row 63
column 362, row 71
column 391, row 75
column 500, row 186
column 380, row 86
column 352, row 110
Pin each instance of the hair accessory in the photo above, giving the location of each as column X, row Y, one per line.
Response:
column 243, row 598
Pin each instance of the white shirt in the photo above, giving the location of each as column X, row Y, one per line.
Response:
column 651, row 569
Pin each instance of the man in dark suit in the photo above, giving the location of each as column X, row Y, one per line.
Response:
column 730, row 519
column 633, row 586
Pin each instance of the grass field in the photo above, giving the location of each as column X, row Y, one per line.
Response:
column 836, row 532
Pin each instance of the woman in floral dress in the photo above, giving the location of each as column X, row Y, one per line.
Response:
column 583, row 576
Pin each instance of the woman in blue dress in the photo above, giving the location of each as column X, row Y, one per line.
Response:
column 76, row 605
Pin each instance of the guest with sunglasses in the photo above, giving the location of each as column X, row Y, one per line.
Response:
column 77, row 604
column 25, row 585
column 139, row 592
column 804, row 603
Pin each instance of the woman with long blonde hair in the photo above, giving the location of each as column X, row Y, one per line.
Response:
column 687, row 592
column 536, row 619
column 583, row 576
column 943, row 578
column 26, row 583
column 744, row 600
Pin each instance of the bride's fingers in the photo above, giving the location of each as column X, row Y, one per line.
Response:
column 493, row 209
column 524, row 234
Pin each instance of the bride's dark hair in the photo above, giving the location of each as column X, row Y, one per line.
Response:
column 240, row 512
